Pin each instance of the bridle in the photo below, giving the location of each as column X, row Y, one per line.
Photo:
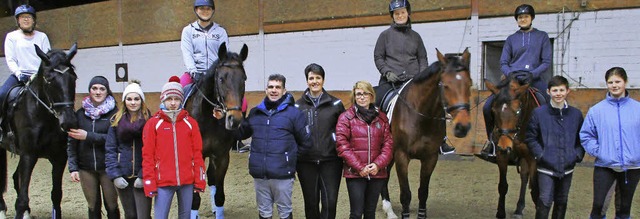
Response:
column 52, row 106
column 219, row 103
column 445, row 106
column 512, row 134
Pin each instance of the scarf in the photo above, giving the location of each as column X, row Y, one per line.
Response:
column 95, row 112
column 127, row 130
column 368, row 115
column 271, row 105
column 172, row 114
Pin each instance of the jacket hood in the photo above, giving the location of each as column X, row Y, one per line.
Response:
column 288, row 101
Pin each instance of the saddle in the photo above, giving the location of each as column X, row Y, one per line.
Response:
column 7, row 109
column 189, row 89
column 389, row 99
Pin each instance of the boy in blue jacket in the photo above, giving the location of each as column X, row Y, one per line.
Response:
column 553, row 139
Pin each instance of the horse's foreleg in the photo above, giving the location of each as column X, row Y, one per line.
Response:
column 402, row 167
column 3, row 182
column 386, row 200
column 56, row 191
column 426, row 169
column 502, row 160
column 222, row 164
column 26, row 165
column 525, row 172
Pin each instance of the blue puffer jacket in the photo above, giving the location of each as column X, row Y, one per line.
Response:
column 552, row 138
column 278, row 136
column 123, row 158
column 611, row 133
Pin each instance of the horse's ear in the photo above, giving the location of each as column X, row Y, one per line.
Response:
column 521, row 89
column 441, row 58
column 42, row 55
column 244, row 52
column 466, row 57
column 492, row 87
column 72, row 51
column 222, row 51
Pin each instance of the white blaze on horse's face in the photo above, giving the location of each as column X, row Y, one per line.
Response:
column 133, row 102
column 504, row 107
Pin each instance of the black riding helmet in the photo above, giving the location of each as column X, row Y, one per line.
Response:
column 198, row 3
column 525, row 9
column 398, row 4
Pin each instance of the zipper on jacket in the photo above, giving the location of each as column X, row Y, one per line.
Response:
column 620, row 142
column 175, row 151
column 133, row 158
column 264, row 158
column 93, row 146
column 369, row 147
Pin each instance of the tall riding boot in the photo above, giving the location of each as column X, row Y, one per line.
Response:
column 542, row 212
column 559, row 211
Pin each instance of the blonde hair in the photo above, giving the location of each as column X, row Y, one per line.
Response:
column 122, row 110
column 366, row 87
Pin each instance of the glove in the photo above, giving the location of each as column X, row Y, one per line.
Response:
column 138, row 183
column 24, row 78
column 392, row 77
column 120, row 183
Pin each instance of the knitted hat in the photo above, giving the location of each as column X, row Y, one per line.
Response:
column 134, row 87
column 172, row 88
column 101, row 80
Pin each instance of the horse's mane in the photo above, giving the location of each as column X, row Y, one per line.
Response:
column 208, row 77
column 504, row 96
column 436, row 67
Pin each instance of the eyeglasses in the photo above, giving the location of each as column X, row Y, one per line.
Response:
column 363, row 94
column 25, row 17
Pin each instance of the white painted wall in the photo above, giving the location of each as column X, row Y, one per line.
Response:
column 595, row 42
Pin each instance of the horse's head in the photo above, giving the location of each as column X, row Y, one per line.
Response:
column 56, row 79
column 229, row 78
column 455, row 86
column 507, row 111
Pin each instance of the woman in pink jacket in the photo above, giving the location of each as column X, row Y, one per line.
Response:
column 172, row 154
column 364, row 142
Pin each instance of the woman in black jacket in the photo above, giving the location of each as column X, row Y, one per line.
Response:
column 86, row 149
column 124, row 152
column 319, row 170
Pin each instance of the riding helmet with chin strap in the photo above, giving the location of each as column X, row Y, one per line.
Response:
column 398, row 4
column 199, row 3
column 25, row 9
column 525, row 9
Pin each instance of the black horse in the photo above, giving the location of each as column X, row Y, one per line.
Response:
column 36, row 127
column 216, row 105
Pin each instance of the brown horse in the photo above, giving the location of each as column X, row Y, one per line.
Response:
column 418, row 124
column 216, row 105
column 512, row 110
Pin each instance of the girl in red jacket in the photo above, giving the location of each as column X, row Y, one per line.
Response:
column 172, row 154
column 363, row 139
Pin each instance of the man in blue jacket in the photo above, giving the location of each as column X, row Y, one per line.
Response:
column 553, row 139
column 526, row 50
column 279, row 134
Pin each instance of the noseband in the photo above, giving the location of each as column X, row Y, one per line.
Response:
column 219, row 103
column 52, row 105
column 510, row 133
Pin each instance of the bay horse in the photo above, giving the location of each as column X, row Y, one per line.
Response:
column 216, row 105
column 38, row 121
column 512, row 108
column 418, row 124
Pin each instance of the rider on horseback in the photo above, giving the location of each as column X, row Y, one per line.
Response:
column 527, row 50
column 201, row 39
column 20, row 52
column 400, row 54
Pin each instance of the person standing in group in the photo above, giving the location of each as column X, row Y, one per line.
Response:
column 553, row 139
column 124, row 152
column 86, row 149
column 20, row 52
column 364, row 142
column 319, row 170
column 526, row 50
column 201, row 39
column 400, row 54
column 611, row 134
column 279, row 134
column 172, row 154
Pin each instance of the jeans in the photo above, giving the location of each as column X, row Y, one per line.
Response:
column 363, row 196
column 320, row 183
column 603, row 178
column 270, row 191
column 162, row 204
column 134, row 203
column 91, row 183
column 4, row 90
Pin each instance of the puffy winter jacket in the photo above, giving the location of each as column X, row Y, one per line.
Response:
column 172, row 152
column 278, row 137
column 360, row 144
column 400, row 49
column 322, row 121
column 89, row 154
column 123, row 157
column 553, row 139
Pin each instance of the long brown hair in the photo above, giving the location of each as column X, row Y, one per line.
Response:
column 122, row 110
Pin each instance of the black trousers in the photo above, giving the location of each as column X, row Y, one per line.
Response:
column 363, row 196
column 320, row 183
column 603, row 178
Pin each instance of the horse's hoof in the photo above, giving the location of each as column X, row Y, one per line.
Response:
column 405, row 215
column 387, row 208
column 194, row 214
column 517, row 216
column 422, row 213
column 26, row 215
column 3, row 214
column 219, row 212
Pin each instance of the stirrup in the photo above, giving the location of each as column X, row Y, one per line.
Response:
column 446, row 149
column 489, row 149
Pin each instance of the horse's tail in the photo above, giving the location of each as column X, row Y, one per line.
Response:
column 3, row 170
